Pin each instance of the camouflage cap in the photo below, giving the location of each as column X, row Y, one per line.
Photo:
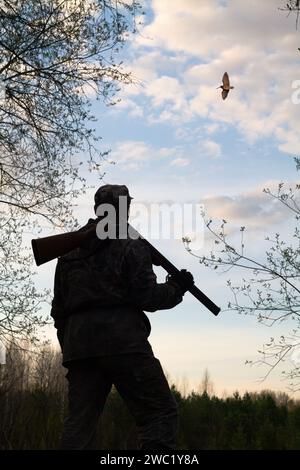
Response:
column 110, row 193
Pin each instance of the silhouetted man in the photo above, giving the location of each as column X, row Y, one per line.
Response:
column 100, row 292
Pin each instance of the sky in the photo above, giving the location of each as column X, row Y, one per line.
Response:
column 174, row 140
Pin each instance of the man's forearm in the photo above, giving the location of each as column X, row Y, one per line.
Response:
column 158, row 297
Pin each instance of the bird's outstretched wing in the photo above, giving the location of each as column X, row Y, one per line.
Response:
column 225, row 80
column 224, row 94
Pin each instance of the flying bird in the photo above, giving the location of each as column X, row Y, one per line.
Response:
column 226, row 86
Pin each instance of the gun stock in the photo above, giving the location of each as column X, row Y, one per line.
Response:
column 48, row 248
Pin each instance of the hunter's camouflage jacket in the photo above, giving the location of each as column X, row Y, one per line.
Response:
column 100, row 293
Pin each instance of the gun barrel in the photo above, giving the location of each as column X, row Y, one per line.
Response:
column 196, row 292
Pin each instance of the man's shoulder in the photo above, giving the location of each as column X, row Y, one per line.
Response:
column 136, row 248
column 136, row 244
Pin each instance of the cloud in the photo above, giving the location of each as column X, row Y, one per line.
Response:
column 175, row 25
column 255, row 209
column 166, row 89
column 168, row 93
column 212, row 128
column 131, row 154
column 188, row 45
column 167, row 151
column 132, row 108
column 210, row 148
column 290, row 141
column 180, row 162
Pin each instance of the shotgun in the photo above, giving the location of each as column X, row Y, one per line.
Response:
column 48, row 248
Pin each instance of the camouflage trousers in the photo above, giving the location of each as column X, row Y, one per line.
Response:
column 140, row 381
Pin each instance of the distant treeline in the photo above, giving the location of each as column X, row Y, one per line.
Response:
column 33, row 404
